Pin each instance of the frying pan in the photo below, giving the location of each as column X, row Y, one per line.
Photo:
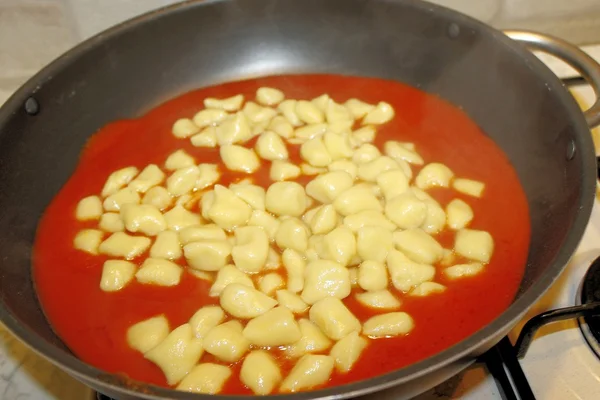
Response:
column 126, row 70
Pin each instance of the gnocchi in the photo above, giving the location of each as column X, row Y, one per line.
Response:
column 276, row 327
column 260, row 372
column 343, row 217
column 176, row 354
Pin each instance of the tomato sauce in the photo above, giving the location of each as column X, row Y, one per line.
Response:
column 93, row 323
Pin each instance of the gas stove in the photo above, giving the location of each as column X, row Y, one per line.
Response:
column 559, row 347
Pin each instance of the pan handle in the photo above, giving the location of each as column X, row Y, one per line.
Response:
column 572, row 55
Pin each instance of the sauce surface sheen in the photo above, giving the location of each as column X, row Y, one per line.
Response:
column 93, row 323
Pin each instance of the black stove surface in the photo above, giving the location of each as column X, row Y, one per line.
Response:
column 590, row 293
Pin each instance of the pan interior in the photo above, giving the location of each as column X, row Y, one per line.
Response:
column 126, row 71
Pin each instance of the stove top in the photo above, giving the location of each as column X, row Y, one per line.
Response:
column 562, row 361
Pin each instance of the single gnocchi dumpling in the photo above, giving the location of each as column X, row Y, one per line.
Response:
column 368, row 218
column 245, row 302
column 365, row 153
column 406, row 211
column 150, row 176
column 266, row 221
column 89, row 208
column 324, row 279
column 399, row 152
column 388, row 325
column 338, row 145
column 435, row 218
column 269, row 96
column 427, row 288
column 178, row 218
column 295, row 266
column 238, row 158
column 381, row 114
column 294, row 195
column 147, row 334
column 111, row 222
column 288, row 109
column 177, row 354
column 363, row 135
column 392, row 183
column 327, row 187
column 257, row 114
column 232, row 103
column 260, row 372
column 205, row 319
column 313, row 340
column 90, row 241
column 347, row 351
column 372, row 275
column 276, row 327
column 120, row 244
column 270, row 282
column 373, row 243
column 474, row 244
column 434, row 174
column 309, row 113
column 371, row 170
column 311, row 370
column 340, row 245
column 183, row 128
column 205, row 378
column 469, row 187
column 283, row 170
column 314, row 152
column 226, row 342
column 183, row 180
column 227, row 275
column 405, row 273
column 115, row 201
column 344, row 165
column 463, row 270
column 270, row 146
column 118, row 180
column 158, row 197
column 143, row 218
column 233, row 129
column 418, row 246
column 292, row 234
column 197, row 233
column 356, row 199
column 159, row 272
column 281, row 126
column 209, row 116
column 291, row 301
column 206, row 138
column 251, row 248
column 208, row 175
column 116, row 274
column 324, row 219
column 459, row 214
column 179, row 159
column 358, row 108
column 227, row 210
column 381, row 300
column 334, row 318
column 207, row 255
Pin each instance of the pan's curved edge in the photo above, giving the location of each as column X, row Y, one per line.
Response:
column 461, row 351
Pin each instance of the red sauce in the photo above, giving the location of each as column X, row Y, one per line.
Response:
column 93, row 323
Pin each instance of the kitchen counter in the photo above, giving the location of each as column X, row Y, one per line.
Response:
column 32, row 33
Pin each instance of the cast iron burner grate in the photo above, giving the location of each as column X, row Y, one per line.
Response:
column 502, row 360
